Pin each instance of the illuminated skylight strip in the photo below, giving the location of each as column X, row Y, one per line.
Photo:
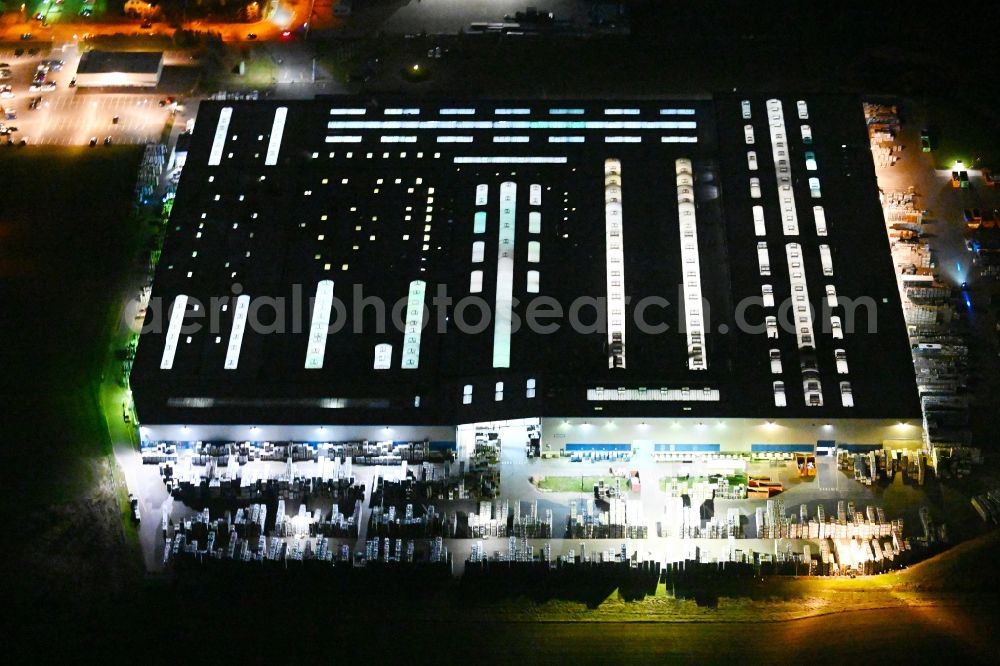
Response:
column 763, row 258
column 454, row 139
column 800, row 296
column 319, row 325
column 694, row 320
column 478, row 252
column 479, row 222
column 504, row 138
column 566, row 139
column 511, row 124
column 482, row 194
column 402, row 112
column 534, row 252
column 566, row 112
column 533, row 282
column 505, row 277
column 383, row 356
column 534, row 222
column 820, row 216
column 277, row 129
column 678, row 139
column 236, row 335
column 601, row 394
column 344, row 139
column 826, row 259
column 509, row 160
column 621, row 112
column 812, row 388
column 173, row 332
column 414, row 325
column 221, row 132
column 758, row 221
column 615, row 262
column 347, row 112
column 782, row 167
column 458, row 112
column 398, row 139
column 512, row 112
column 535, row 195
column 676, row 112
column 623, row 139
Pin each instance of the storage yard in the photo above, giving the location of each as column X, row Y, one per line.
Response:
column 935, row 282
column 341, row 505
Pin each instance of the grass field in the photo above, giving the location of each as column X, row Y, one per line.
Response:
column 964, row 132
column 67, row 245
column 913, row 616
column 576, row 484
column 734, row 480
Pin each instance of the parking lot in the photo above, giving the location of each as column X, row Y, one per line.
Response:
column 72, row 116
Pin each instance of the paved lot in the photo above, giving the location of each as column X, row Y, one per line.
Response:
column 71, row 116
column 955, row 264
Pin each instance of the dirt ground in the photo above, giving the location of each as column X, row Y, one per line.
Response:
column 79, row 549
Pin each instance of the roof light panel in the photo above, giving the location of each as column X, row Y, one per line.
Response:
column 173, row 332
column 221, row 132
column 615, row 262
column 319, row 325
column 692, row 293
column 505, row 277
column 236, row 335
column 383, row 356
column 414, row 325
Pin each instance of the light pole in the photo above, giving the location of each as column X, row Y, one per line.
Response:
column 309, row 17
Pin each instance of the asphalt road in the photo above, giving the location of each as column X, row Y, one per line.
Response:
column 895, row 635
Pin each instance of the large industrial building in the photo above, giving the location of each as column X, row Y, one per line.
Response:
column 689, row 275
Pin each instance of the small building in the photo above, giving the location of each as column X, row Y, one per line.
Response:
column 98, row 69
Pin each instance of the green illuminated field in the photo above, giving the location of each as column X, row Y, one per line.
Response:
column 734, row 480
column 576, row 484
column 67, row 243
